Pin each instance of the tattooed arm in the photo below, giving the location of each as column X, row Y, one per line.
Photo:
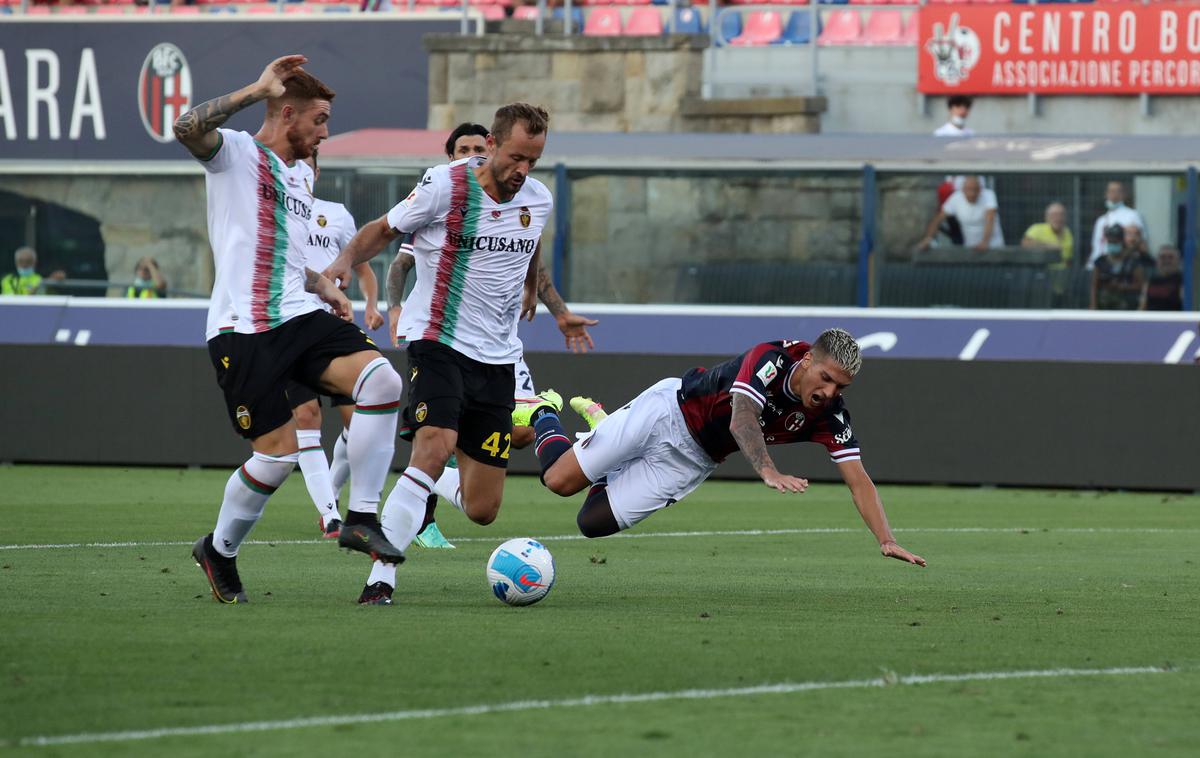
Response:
column 573, row 326
column 329, row 293
column 745, row 426
column 197, row 129
column 396, row 276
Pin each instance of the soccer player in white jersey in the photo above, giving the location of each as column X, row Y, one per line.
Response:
column 467, row 140
column 265, row 328
column 330, row 228
column 476, row 227
column 656, row 450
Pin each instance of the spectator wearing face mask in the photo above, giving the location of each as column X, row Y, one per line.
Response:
column 959, row 107
column 1164, row 290
column 25, row 280
column 1116, row 213
column 1120, row 273
column 148, row 281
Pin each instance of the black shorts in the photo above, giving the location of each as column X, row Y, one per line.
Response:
column 448, row 390
column 298, row 395
column 255, row 370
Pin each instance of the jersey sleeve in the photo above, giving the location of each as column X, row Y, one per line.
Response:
column 347, row 231
column 232, row 147
column 761, row 368
column 838, row 437
column 422, row 205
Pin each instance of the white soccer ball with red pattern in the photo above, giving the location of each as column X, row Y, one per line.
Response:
column 520, row 572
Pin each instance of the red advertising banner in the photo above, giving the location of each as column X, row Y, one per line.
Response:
column 1109, row 48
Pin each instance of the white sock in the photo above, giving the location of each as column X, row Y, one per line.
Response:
column 316, row 474
column 405, row 508
column 246, row 495
column 383, row 572
column 370, row 448
column 448, row 487
column 339, row 471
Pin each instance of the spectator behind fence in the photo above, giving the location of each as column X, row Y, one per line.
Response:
column 975, row 212
column 148, row 281
column 26, row 280
column 1164, row 290
column 1052, row 234
column 1116, row 212
column 959, row 107
column 1120, row 272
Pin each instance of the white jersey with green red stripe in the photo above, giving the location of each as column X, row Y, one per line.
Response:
column 259, row 209
column 331, row 229
column 472, row 256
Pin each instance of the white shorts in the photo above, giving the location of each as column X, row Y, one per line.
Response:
column 646, row 451
column 524, row 379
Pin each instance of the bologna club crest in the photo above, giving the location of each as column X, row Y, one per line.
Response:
column 164, row 90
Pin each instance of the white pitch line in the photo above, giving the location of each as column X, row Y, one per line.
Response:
column 651, row 535
column 783, row 688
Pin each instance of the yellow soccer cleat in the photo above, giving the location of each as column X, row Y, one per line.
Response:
column 591, row 411
column 523, row 413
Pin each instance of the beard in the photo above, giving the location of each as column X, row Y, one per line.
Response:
column 300, row 147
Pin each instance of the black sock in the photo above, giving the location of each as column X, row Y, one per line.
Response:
column 359, row 517
column 551, row 441
column 596, row 518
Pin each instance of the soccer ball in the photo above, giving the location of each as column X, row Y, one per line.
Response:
column 520, row 572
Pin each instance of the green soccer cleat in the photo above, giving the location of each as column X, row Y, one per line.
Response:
column 523, row 413
column 591, row 411
column 431, row 537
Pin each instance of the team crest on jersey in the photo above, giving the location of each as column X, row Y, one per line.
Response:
column 794, row 422
column 526, row 217
column 767, row 373
column 164, row 90
column 243, row 417
column 495, row 214
column 322, row 221
column 421, row 412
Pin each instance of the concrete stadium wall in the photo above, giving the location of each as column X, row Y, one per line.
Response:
column 1040, row 424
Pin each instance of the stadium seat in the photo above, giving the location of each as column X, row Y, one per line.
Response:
column 688, row 21
column 842, row 28
column 731, row 26
column 299, row 8
column 884, row 28
column 184, row 9
column 798, row 30
column 72, row 10
column 576, row 17
column 644, row 22
column 912, row 29
column 492, row 12
column 525, row 13
column 603, row 22
column 761, row 28
column 632, row 2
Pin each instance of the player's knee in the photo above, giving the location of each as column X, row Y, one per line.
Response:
column 378, row 383
column 522, row 437
column 560, row 482
column 307, row 415
column 482, row 513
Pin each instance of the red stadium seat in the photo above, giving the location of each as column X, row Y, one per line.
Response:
column 842, row 28
column 299, row 8
column 111, row 10
column 492, row 12
column 644, row 22
column 183, row 10
column 761, row 28
column 526, row 12
column 72, row 10
column 884, row 28
column 912, row 29
column 632, row 2
column 603, row 22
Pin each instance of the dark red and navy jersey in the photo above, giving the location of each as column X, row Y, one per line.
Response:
column 762, row 374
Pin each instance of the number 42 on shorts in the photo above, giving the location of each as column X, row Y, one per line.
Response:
column 492, row 445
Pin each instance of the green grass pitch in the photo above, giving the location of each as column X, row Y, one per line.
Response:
column 96, row 639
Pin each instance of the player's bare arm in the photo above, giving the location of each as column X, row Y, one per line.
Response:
column 572, row 325
column 329, row 293
column 745, row 424
column 370, row 288
column 197, row 129
column 529, row 299
column 396, row 277
column 870, row 507
column 368, row 243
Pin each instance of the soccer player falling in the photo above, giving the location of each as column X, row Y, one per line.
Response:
column 657, row 449
column 476, row 226
column 264, row 327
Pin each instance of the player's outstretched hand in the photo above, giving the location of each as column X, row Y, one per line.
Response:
column 373, row 318
column 784, row 482
column 394, row 324
column 574, row 328
column 279, row 71
column 338, row 273
column 892, row 550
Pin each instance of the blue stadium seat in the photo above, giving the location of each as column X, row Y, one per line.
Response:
column 731, row 26
column 688, row 21
column 833, row 2
column 798, row 30
column 576, row 18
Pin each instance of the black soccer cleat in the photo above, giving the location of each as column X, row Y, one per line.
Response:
column 331, row 530
column 369, row 538
column 379, row 593
column 221, row 572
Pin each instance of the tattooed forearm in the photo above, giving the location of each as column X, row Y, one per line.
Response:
column 397, row 275
column 746, row 431
column 547, row 294
column 193, row 129
column 311, row 280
